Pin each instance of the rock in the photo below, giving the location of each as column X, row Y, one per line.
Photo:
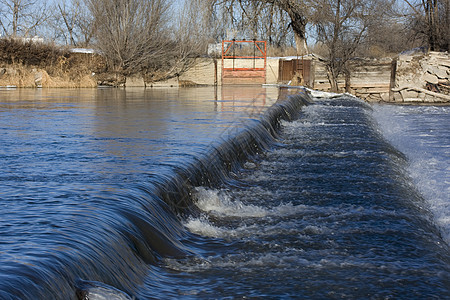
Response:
column 440, row 72
column 38, row 78
column 135, row 81
column 384, row 96
column 409, row 94
column 398, row 97
column 431, row 78
column 250, row 165
column 406, row 58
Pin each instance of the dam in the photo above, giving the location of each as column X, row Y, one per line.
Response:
column 237, row 192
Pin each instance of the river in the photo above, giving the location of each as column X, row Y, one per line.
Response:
column 228, row 193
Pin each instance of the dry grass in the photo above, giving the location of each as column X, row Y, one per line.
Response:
column 29, row 77
column 27, row 64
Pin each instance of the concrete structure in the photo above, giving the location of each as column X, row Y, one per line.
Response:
column 208, row 71
column 408, row 78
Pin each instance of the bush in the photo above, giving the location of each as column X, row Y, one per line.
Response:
column 28, row 53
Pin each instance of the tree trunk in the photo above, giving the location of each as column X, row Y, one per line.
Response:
column 15, row 22
column 333, row 82
column 347, row 82
column 432, row 29
column 300, row 42
column 332, row 78
column 69, row 26
column 298, row 23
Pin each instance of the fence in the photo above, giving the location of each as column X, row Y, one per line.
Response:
column 244, row 62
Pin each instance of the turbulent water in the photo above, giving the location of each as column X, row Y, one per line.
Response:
column 423, row 134
column 168, row 194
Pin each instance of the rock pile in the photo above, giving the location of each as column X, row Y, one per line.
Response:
column 423, row 78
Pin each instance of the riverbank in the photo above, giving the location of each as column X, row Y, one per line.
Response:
column 413, row 78
column 31, row 77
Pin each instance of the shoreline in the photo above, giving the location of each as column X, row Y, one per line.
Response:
column 314, row 93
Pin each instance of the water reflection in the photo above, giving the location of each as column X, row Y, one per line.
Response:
column 118, row 131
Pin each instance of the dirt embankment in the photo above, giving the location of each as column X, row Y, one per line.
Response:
column 29, row 77
column 28, row 64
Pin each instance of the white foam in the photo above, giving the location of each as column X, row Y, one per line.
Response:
column 289, row 259
column 220, row 204
column 321, row 94
column 203, row 227
column 265, row 226
column 421, row 133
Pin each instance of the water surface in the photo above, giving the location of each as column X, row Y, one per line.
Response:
column 207, row 193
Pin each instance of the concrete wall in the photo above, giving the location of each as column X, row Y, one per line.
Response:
column 272, row 70
column 369, row 79
column 207, row 71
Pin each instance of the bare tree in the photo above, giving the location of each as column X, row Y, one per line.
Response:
column 342, row 26
column 277, row 28
column 265, row 20
column 430, row 20
column 132, row 34
column 187, row 39
column 22, row 17
column 191, row 34
column 72, row 23
column 298, row 11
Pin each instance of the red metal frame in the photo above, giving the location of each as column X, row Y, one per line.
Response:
column 260, row 52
